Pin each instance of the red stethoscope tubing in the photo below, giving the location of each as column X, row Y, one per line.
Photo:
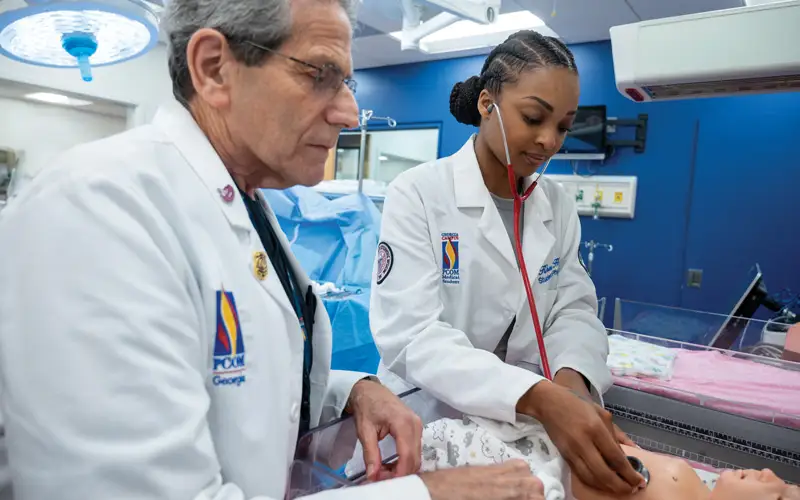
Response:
column 518, row 200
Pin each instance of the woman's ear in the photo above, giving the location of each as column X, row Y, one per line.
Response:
column 485, row 100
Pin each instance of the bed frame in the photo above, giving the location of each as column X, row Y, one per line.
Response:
column 704, row 435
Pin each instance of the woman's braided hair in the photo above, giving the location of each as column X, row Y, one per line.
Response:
column 522, row 51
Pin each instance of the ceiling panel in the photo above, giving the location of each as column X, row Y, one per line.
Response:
column 578, row 21
column 18, row 90
column 657, row 9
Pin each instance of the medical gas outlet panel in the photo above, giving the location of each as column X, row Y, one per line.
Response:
column 601, row 195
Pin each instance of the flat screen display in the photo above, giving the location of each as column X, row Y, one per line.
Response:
column 588, row 134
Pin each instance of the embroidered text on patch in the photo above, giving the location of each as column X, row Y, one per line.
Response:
column 450, row 259
column 229, row 362
column 548, row 271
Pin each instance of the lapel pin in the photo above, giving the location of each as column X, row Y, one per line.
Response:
column 260, row 268
column 227, row 193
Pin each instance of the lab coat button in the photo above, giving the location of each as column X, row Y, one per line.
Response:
column 295, row 412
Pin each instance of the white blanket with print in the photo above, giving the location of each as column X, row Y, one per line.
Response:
column 449, row 443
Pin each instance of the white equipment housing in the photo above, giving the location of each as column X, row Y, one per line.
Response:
column 414, row 30
column 746, row 50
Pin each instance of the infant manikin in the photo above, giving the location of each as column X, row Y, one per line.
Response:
column 449, row 443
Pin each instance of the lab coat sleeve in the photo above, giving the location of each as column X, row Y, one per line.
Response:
column 574, row 336
column 340, row 385
column 406, row 488
column 415, row 344
column 103, row 370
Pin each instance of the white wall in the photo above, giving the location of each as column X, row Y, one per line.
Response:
column 142, row 83
column 41, row 131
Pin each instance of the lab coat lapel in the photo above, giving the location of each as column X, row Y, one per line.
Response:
column 471, row 191
column 321, row 339
column 177, row 123
column 273, row 284
column 537, row 240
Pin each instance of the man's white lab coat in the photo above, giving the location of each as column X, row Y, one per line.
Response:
column 124, row 267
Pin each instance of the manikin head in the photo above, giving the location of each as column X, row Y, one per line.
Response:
column 533, row 81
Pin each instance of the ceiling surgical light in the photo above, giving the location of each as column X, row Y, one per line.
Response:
column 79, row 34
column 467, row 35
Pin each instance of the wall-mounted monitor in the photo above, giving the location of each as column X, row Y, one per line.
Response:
column 587, row 139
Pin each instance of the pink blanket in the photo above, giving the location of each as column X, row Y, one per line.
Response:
column 739, row 386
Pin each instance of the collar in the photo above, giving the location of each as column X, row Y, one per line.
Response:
column 471, row 191
column 178, row 124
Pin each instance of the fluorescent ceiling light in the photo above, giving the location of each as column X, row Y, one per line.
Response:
column 467, row 35
column 56, row 99
column 383, row 158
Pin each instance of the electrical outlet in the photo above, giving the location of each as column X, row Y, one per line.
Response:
column 694, row 278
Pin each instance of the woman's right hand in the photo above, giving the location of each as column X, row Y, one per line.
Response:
column 510, row 481
column 584, row 434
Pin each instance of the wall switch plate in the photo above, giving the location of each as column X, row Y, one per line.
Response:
column 694, row 278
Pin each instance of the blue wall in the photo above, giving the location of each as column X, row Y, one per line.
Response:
column 719, row 183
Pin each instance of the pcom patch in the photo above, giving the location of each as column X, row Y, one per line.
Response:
column 385, row 261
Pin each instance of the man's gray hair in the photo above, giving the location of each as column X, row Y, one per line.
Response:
column 265, row 22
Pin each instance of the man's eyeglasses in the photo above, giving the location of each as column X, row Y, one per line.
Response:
column 328, row 76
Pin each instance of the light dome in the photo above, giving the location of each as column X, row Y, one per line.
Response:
column 70, row 34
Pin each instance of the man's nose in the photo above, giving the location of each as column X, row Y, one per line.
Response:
column 343, row 112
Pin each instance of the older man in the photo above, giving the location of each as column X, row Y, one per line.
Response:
column 157, row 338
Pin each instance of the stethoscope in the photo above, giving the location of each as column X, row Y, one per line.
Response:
column 519, row 199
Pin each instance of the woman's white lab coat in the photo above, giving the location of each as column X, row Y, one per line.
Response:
column 141, row 354
column 448, row 287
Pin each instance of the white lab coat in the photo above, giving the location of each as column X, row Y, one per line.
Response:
column 111, row 265
column 438, row 329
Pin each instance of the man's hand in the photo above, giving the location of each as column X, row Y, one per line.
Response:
column 510, row 481
column 379, row 413
column 575, row 382
column 583, row 433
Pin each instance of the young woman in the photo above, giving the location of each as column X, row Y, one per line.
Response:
column 448, row 309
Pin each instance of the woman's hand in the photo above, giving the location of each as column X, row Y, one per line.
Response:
column 584, row 434
column 575, row 382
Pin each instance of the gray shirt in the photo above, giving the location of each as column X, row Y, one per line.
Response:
column 506, row 208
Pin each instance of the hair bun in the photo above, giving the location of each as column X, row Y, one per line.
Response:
column 464, row 101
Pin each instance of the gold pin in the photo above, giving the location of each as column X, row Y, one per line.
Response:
column 260, row 268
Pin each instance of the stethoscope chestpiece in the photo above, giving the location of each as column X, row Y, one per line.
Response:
column 639, row 467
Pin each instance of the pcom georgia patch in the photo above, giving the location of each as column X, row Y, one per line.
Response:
column 385, row 261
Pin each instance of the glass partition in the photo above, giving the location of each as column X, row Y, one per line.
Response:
column 697, row 327
column 388, row 153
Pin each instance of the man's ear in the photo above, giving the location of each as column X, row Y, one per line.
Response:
column 211, row 66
